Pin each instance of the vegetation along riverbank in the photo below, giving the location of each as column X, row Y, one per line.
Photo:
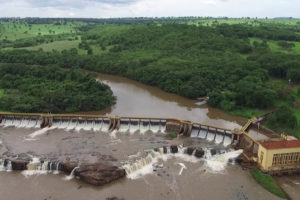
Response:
column 50, row 89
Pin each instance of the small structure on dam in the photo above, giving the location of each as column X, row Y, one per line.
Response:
column 277, row 155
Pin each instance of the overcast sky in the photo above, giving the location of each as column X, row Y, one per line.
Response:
column 149, row 8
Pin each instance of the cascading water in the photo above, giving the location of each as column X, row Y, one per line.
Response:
column 219, row 138
column 39, row 132
column 20, row 123
column 194, row 133
column 105, row 126
column 5, row 165
column 202, row 134
column 155, row 128
column 9, row 166
column 97, row 126
column 145, row 165
column 72, row 125
column 218, row 163
column 227, row 141
column 124, row 128
column 38, row 167
column 134, row 127
column 142, row 166
column 71, row 176
column 210, row 136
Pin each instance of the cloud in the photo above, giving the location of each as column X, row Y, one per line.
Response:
column 76, row 3
column 149, row 8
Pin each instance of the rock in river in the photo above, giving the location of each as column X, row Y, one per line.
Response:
column 99, row 173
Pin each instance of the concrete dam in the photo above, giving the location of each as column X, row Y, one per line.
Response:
column 96, row 123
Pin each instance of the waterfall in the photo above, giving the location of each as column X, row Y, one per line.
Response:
column 227, row 141
column 133, row 128
column 210, row 136
column 124, row 128
column 97, row 126
column 142, row 166
column 113, row 134
column 32, row 123
column 72, row 125
column 219, row 138
column 194, row 133
column 3, row 122
column 71, row 176
column 37, row 167
column 24, row 123
column 147, row 164
column 7, row 167
column 45, row 166
column 2, row 167
column 105, row 126
column 155, row 128
column 8, row 122
column 88, row 126
column 56, row 171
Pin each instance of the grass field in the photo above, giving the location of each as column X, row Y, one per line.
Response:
column 267, row 182
column 57, row 45
column 297, row 47
column 272, row 44
column 15, row 30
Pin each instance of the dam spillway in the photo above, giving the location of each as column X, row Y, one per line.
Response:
column 131, row 125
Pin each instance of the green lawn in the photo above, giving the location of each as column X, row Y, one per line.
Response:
column 267, row 182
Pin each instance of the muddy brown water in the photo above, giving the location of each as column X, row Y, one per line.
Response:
column 133, row 99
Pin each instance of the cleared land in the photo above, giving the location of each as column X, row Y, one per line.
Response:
column 57, row 45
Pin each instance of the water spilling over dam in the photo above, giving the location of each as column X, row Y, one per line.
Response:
column 130, row 125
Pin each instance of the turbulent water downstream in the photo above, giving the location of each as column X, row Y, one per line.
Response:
column 152, row 174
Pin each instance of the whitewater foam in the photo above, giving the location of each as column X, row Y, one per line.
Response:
column 39, row 132
column 218, row 163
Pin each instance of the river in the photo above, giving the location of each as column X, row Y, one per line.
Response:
column 197, row 181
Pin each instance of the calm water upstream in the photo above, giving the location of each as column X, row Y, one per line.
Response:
column 196, row 181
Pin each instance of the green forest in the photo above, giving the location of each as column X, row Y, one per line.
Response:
column 50, row 89
column 245, row 66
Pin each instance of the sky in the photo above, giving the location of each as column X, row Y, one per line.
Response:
column 149, row 8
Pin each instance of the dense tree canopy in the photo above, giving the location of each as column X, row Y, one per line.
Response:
column 50, row 89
